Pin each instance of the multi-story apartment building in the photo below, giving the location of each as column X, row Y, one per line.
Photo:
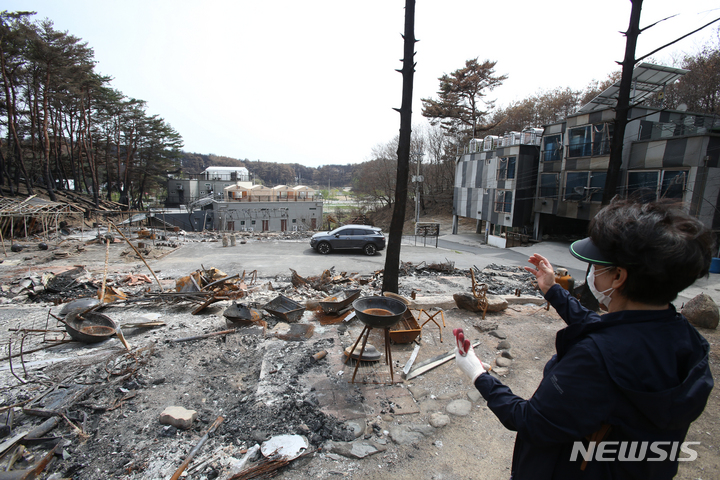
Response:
column 666, row 154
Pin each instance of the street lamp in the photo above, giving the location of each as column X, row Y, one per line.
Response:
column 417, row 179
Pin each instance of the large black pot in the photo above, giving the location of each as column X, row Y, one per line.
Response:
column 395, row 307
column 92, row 327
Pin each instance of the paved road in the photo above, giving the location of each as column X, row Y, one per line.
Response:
column 272, row 258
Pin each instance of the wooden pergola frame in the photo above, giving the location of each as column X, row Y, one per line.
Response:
column 47, row 212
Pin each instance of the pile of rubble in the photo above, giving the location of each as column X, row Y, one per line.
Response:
column 505, row 280
column 249, row 371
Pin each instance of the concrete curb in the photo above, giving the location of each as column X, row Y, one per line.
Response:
column 446, row 302
column 515, row 300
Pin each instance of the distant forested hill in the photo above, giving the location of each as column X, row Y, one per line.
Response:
column 271, row 173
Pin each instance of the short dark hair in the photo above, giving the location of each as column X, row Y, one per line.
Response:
column 663, row 248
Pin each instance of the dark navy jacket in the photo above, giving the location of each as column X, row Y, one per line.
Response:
column 645, row 373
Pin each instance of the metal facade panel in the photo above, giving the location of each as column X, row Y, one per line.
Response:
column 469, row 204
column 595, row 117
column 655, row 154
column 713, row 151
column 674, row 152
column 599, row 163
column 712, row 191
column 480, row 171
column 638, row 151
column 582, row 164
column 552, row 167
column 554, row 129
column 584, row 212
column 695, row 151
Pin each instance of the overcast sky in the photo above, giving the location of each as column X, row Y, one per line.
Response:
column 314, row 81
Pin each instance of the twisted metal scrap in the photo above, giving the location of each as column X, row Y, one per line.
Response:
column 479, row 291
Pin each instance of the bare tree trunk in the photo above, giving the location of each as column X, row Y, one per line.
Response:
column 4, row 173
column 46, row 136
column 11, row 100
column 612, row 180
column 90, row 151
column 392, row 256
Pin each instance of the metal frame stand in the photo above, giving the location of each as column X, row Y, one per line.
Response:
column 388, row 352
column 431, row 317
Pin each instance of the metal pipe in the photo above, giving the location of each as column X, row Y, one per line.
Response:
column 197, row 448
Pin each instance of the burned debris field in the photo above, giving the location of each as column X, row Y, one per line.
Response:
column 259, row 368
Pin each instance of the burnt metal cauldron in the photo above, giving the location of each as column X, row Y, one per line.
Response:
column 376, row 312
column 90, row 327
column 379, row 312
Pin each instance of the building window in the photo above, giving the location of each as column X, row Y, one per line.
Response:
column 597, row 186
column 252, row 222
column 602, row 133
column 673, row 184
column 552, row 148
column 549, row 185
column 644, row 185
column 506, row 168
column 579, row 142
column 584, row 186
column 590, row 140
column 575, row 183
column 294, row 220
column 503, row 201
column 242, row 222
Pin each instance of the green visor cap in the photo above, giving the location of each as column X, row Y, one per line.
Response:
column 586, row 251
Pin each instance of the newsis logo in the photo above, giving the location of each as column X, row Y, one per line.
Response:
column 634, row 451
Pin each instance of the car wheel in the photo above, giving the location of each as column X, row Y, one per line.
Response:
column 324, row 248
column 369, row 249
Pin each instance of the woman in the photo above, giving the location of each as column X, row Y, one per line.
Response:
column 632, row 380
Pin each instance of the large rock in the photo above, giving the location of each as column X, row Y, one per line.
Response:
column 403, row 435
column 439, row 420
column 357, row 449
column 460, row 408
column 702, row 312
column 503, row 362
column 468, row 302
column 486, row 325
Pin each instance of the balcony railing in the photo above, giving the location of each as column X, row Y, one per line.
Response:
column 689, row 125
column 588, row 149
column 272, row 198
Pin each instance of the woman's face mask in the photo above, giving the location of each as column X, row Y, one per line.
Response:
column 603, row 297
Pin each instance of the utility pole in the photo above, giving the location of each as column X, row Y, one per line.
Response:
column 392, row 255
column 623, row 105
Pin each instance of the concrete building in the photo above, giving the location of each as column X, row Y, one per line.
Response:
column 495, row 181
column 223, row 198
column 666, row 154
column 208, row 184
column 248, row 207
